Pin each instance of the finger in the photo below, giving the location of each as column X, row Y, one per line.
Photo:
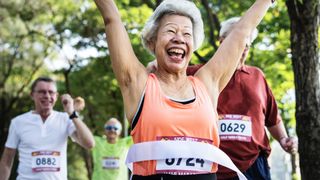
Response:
column 65, row 101
column 289, row 143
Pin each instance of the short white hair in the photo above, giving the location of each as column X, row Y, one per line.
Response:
column 181, row 7
column 227, row 26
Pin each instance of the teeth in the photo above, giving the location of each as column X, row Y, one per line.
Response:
column 177, row 51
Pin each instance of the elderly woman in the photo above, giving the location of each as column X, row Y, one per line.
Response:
column 173, row 116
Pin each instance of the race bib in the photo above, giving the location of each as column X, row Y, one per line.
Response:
column 110, row 163
column 235, row 128
column 183, row 166
column 45, row 161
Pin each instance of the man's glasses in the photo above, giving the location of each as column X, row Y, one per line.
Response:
column 110, row 128
column 44, row 92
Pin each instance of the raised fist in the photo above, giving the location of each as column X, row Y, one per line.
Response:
column 78, row 103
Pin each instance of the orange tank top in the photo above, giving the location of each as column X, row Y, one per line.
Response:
column 164, row 119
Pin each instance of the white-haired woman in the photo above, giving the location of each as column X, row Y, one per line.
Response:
column 173, row 116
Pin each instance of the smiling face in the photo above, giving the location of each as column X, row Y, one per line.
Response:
column 112, row 130
column 174, row 43
column 44, row 96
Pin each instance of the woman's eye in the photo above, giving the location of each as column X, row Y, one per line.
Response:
column 187, row 34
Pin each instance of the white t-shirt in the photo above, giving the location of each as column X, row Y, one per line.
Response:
column 42, row 145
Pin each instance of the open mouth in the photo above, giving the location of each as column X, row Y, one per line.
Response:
column 176, row 52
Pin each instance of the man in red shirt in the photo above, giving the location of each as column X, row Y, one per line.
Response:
column 245, row 107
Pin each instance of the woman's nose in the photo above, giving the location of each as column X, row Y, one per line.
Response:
column 178, row 38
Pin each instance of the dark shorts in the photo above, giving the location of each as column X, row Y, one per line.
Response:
column 258, row 171
column 175, row 177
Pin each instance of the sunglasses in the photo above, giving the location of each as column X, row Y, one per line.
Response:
column 110, row 128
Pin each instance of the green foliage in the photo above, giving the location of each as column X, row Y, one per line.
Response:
column 135, row 18
column 100, row 90
column 275, row 60
column 22, row 50
column 296, row 177
column 76, row 166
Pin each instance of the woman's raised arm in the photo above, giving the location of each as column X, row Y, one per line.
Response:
column 218, row 71
column 130, row 73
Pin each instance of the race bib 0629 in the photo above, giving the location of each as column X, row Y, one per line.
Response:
column 235, row 128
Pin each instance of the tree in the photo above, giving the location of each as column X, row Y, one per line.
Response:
column 304, row 18
column 22, row 50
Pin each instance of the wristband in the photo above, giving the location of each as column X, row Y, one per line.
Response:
column 74, row 115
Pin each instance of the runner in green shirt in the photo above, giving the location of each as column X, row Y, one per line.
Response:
column 110, row 153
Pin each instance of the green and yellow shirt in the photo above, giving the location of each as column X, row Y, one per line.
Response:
column 109, row 159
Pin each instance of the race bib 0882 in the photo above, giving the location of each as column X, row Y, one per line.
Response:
column 45, row 161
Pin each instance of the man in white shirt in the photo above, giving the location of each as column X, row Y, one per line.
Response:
column 41, row 135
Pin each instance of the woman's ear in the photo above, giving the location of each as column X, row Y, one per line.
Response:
column 151, row 46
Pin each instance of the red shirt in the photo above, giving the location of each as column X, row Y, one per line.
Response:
column 247, row 93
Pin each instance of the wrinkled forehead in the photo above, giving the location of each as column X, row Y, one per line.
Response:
column 177, row 20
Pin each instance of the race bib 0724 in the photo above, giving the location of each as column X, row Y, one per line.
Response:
column 183, row 166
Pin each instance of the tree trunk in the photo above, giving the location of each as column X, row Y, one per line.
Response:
column 304, row 17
